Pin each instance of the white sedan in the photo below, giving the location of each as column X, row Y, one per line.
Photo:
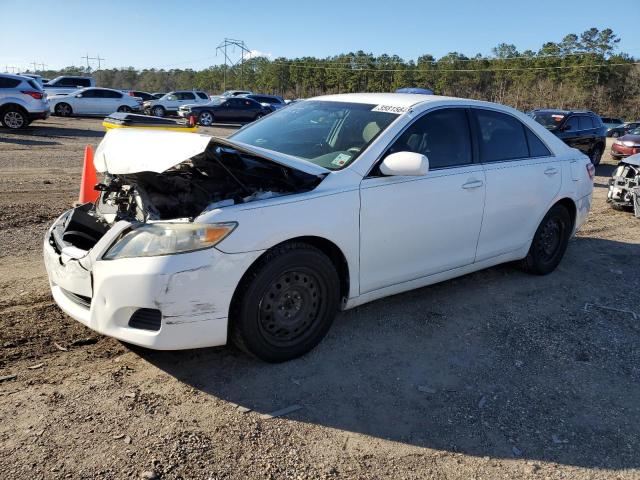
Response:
column 324, row 205
column 93, row 101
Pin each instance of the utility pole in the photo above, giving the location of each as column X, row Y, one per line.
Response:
column 42, row 65
column 98, row 59
column 231, row 42
column 35, row 66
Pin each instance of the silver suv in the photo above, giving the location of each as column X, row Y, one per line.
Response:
column 21, row 101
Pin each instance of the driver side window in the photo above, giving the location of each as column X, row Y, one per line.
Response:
column 443, row 136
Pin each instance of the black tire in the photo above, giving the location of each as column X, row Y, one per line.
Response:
column 596, row 155
column 286, row 303
column 258, row 116
column 63, row 109
column 206, row 118
column 615, row 134
column 14, row 118
column 550, row 242
column 124, row 109
column 158, row 111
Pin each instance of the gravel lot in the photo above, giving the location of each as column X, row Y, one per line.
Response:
column 495, row 375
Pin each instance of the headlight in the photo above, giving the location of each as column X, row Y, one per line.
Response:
column 168, row 238
column 629, row 144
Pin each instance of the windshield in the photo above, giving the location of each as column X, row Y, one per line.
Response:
column 550, row 120
column 329, row 134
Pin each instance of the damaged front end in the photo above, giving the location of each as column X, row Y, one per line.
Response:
column 624, row 185
column 163, row 176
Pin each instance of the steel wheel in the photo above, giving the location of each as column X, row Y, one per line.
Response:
column 290, row 307
column 205, row 119
column 550, row 239
column 14, row 119
column 63, row 109
column 549, row 242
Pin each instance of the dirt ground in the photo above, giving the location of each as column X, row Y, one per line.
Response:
column 495, row 375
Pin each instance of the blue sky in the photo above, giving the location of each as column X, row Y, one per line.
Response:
column 159, row 33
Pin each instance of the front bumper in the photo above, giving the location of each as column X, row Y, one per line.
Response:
column 192, row 291
column 620, row 151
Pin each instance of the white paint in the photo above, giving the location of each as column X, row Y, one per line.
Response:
column 395, row 232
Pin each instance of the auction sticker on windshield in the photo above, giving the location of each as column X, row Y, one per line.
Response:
column 390, row 109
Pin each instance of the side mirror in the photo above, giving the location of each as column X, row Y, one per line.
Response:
column 405, row 163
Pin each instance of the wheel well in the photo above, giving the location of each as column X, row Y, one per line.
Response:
column 571, row 207
column 327, row 247
column 14, row 105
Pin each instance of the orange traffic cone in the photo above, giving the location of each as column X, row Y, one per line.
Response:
column 89, row 178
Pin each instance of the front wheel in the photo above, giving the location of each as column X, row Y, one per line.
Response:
column 158, row 111
column 549, row 242
column 205, row 118
column 286, row 304
column 596, row 155
column 615, row 134
column 63, row 110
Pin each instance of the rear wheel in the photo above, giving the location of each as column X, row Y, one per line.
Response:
column 205, row 118
column 259, row 116
column 124, row 109
column 286, row 304
column 14, row 118
column 549, row 242
column 158, row 111
column 63, row 110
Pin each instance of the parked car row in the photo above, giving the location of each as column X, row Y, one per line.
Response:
column 21, row 101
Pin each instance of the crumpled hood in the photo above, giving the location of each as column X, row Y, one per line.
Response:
column 127, row 151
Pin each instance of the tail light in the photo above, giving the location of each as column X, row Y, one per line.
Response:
column 591, row 170
column 33, row 93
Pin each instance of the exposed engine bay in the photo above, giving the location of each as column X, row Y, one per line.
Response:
column 220, row 176
column 624, row 185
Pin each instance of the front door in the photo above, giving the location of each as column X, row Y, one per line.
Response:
column 412, row 227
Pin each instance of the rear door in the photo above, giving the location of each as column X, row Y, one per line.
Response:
column 111, row 102
column 89, row 103
column 572, row 135
column 523, row 178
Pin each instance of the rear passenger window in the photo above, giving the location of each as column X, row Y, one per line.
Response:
column 8, row 82
column 443, row 136
column 203, row 95
column 536, row 147
column 502, row 137
column 573, row 124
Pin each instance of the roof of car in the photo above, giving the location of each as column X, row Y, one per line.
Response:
column 398, row 99
column 16, row 77
column 563, row 112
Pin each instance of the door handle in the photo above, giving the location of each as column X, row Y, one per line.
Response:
column 472, row 184
column 551, row 171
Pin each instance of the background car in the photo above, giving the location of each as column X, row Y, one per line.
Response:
column 37, row 78
column 235, row 93
column 93, row 101
column 226, row 110
column 21, row 101
column 273, row 102
column 611, row 123
column 581, row 129
column 623, row 129
column 143, row 95
column 68, row 84
column 170, row 102
column 158, row 95
column 626, row 145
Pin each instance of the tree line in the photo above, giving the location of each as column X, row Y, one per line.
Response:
column 580, row 71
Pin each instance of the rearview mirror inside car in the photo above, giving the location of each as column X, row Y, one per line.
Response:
column 405, row 163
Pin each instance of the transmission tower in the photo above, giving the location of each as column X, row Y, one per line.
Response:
column 223, row 47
